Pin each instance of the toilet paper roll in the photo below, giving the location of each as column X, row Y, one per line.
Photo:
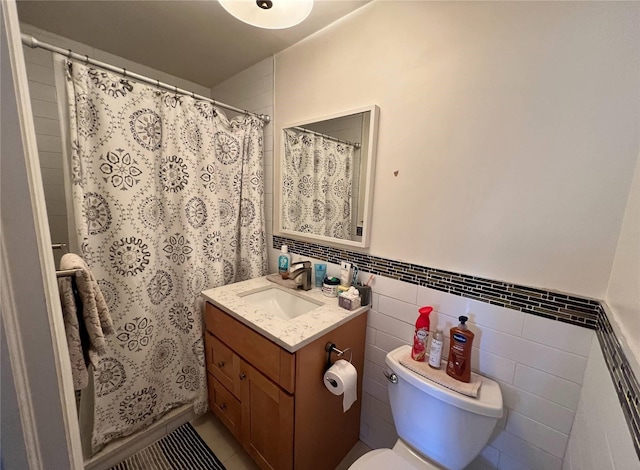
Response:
column 342, row 379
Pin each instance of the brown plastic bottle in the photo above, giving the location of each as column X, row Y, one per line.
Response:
column 459, row 363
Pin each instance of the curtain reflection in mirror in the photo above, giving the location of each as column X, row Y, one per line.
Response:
column 317, row 185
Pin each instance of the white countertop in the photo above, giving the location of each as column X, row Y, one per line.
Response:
column 290, row 334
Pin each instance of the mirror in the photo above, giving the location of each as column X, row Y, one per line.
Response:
column 326, row 171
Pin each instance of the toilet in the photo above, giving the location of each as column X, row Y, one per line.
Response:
column 437, row 427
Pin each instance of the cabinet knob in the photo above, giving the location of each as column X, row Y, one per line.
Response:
column 221, row 364
column 223, row 406
column 243, row 376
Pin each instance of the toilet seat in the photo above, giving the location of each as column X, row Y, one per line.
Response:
column 385, row 459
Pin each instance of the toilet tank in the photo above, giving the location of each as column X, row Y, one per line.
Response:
column 445, row 426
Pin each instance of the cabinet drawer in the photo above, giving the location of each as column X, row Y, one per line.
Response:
column 226, row 366
column 264, row 355
column 225, row 406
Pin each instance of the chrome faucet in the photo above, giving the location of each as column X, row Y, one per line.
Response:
column 305, row 271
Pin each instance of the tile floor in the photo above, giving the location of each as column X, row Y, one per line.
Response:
column 233, row 456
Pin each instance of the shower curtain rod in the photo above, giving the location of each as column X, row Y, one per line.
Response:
column 32, row 42
column 355, row 144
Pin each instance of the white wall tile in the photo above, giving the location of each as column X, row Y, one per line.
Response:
column 377, row 407
column 524, row 452
column 396, row 289
column 547, row 412
column 558, row 335
column 392, row 326
column 404, row 311
column 45, row 109
column 556, row 362
column 374, row 372
column 491, row 365
column 547, row 386
column 375, row 354
column 40, row 73
column 47, row 126
column 37, row 56
column 600, row 430
column 387, row 342
column 380, row 433
column 375, row 389
column 40, row 91
column 536, row 433
column 508, row 463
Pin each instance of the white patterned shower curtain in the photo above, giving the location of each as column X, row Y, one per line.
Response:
column 168, row 201
column 316, row 185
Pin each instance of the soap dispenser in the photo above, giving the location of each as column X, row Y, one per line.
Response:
column 459, row 363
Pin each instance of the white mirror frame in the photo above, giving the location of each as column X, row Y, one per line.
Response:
column 368, row 191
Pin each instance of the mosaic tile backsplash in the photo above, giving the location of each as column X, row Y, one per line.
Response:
column 575, row 310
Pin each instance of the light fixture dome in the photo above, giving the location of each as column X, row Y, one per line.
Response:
column 269, row 14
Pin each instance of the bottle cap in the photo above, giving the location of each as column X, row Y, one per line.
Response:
column 284, row 249
column 462, row 319
column 425, row 310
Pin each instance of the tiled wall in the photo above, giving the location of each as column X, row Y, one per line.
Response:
column 596, row 442
column 527, row 342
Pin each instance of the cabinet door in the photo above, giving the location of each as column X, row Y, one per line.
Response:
column 267, row 420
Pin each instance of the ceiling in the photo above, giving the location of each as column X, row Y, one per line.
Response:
column 195, row 40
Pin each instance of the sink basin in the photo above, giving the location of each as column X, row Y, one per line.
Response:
column 284, row 304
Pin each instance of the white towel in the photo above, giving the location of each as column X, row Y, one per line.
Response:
column 95, row 316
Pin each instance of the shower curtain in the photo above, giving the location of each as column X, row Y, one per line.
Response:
column 168, row 201
column 316, row 185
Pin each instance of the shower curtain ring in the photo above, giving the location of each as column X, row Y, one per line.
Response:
column 69, row 54
column 86, row 59
column 124, row 72
column 193, row 95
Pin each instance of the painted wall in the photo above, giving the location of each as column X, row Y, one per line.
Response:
column 517, row 121
column 623, row 295
column 596, row 441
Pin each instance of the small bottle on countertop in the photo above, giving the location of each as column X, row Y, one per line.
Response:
column 435, row 351
column 421, row 335
column 459, row 363
column 284, row 260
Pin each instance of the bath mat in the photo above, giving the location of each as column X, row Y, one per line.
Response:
column 183, row 449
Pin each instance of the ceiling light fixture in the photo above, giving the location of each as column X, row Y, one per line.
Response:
column 269, row 14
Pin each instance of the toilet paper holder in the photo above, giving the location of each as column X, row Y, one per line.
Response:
column 331, row 348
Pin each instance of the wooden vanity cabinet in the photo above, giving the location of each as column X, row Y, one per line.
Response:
column 275, row 402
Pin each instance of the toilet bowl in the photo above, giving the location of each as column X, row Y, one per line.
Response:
column 438, row 428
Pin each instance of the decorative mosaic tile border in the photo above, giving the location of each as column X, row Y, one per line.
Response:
column 624, row 380
column 553, row 305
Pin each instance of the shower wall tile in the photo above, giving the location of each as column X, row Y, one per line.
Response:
column 44, row 109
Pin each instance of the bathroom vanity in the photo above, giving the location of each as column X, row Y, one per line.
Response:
column 265, row 373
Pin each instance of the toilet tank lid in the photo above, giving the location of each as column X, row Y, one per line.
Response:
column 488, row 402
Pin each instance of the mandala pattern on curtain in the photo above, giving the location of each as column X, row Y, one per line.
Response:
column 316, row 185
column 168, row 201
